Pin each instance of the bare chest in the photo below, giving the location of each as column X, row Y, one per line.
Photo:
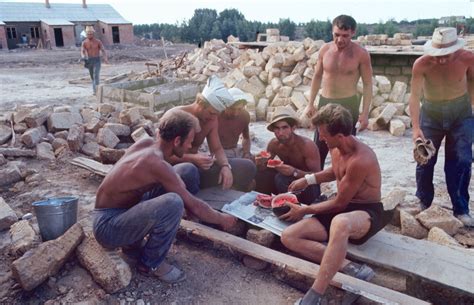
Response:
column 340, row 63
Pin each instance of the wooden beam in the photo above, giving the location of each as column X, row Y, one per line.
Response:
column 368, row 290
column 91, row 165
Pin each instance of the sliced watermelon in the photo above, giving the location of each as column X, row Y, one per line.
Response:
column 264, row 154
column 272, row 163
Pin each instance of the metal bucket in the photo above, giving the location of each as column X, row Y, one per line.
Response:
column 55, row 216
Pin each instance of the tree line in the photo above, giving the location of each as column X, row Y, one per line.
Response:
column 207, row 24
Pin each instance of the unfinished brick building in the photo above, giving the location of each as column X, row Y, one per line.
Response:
column 60, row 24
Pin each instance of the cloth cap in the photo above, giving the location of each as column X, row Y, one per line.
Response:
column 282, row 113
column 217, row 94
column 238, row 95
column 444, row 41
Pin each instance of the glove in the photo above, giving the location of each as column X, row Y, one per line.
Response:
column 423, row 151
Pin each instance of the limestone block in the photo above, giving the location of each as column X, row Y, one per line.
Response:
column 395, row 197
column 91, row 149
column 63, row 121
column 438, row 236
column 388, row 112
column 269, row 115
column 237, row 74
column 252, row 88
column 88, row 114
column 119, row 129
column 36, row 265
column 397, row 128
column 22, row 112
column 280, row 101
column 23, row 237
column 373, row 126
column 436, row 216
column 300, row 68
column 261, row 109
column 94, row 125
column 108, row 269
column 263, row 76
column 130, row 116
column 308, row 73
column 110, row 155
column 258, row 84
column 33, row 136
column 377, row 100
column 405, row 119
column 276, row 84
column 38, row 117
column 139, row 134
column 298, row 99
column 5, row 133
column 252, row 71
column 59, row 142
column 400, row 108
column 75, row 137
column 411, row 227
column 285, row 91
column 299, row 54
column 44, row 151
column 406, row 98
column 313, row 59
column 9, row 174
column 398, row 92
column 261, row 237
column 293, row 80
column 107, row 138
column 7, row 215
column 269, row 93
column 61, row 134
column 383, row 83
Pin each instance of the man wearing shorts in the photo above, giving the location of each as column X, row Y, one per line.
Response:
column 354, row 215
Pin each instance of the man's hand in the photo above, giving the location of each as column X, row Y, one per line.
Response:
column 310, row 110
column 298, row 184
column 296, row 213
column 285, row 169
column 226, row 178
column 202, row 161
column 261, row 162
column 363, row 121
column 417, row 133
column 228, row 221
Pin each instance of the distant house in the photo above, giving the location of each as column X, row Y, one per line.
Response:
column 451, row 20
column 60, row 24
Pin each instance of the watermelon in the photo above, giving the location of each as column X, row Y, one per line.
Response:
column 264, row 201
column 264, row 154
column 279, row 202
column 272, row 163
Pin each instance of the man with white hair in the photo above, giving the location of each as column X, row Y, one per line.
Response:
column 215, row 169
column 442, row 79
column 90, row 52
column 233, row 122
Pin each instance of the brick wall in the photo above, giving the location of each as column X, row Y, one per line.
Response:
column 397, row 67
column 3, row 37
column 125, row 33
column 48, row 34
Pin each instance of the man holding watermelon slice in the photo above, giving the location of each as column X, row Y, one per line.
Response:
column 354, row 215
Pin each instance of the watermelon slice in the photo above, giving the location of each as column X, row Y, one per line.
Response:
column 272, row 163
column 264, row 201
column 264, row 154
column 279, row 202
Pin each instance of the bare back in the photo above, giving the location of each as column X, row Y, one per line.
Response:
column 92, row 47
column 341, row 69
column 133, row 175
column 359, row 169
column 302, row 153
column 444, row 82
column 230, row 129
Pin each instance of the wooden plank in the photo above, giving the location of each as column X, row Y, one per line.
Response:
column 440, row 264
column 371, row 291
column 91, row 165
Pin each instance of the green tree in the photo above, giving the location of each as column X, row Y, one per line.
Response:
column 200, row 26
column 319, row 30
column 287, row 28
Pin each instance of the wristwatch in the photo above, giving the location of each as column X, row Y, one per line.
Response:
column 295, row 173
column 228, row 165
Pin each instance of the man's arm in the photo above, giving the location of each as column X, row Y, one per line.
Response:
column 215, row 146
column 366, row 75
column 246, row 142
column 316, row 83
column 83, row 50
column 415, row 97
column 104, row 53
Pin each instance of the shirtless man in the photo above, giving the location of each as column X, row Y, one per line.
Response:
column 90, row 52
column 445, row 75
column 144, row 195
column 233, row 122
column 299, row 154
column 354, row 215
column 235, row 172
column 340, row 65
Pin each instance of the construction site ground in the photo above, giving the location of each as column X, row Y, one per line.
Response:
column 214, row 276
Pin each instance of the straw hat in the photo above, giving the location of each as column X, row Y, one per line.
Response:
column 89, row 29
column 282, row 113
column 444, row 41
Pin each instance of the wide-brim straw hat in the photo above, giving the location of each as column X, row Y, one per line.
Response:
column 89, row 29
column 282, row 113
column 444, row 42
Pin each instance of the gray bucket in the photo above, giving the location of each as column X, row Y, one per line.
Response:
column 55, row 216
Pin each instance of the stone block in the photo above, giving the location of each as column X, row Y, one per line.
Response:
column 89, row 114
column 395, row 197
column 398, row 92
column 9, row 174
column 130, row 116
column 59, row 142
column 44, row 151
column 107, row 138
column 5, row 133
column 300, row 68
column 388, row 112
column 7, row 215
column 405, row 119
column 91, row 149
column 75, row 137
column 110, row 155
column 411, row 227
column 261, row 237
column 16, row 152
column 23, row 237
column 38, row 264
column 252, row 71
column 436, row 216
column 140, row 134
column 33, row 136
column 38, row 117
column 377, row 101
column 298, row 99
column 285, row 91
column 263, row 76
column 94, row 125
column 261, row 109
column 276, row 84
column 373, row 126
column 3, row 160
column 63, row 121
column 280, row 101
column 397, row 128
column 438, row 236
column 106, row 109
column 119, row 129
column 383, row 83
column 20, row 128
column 293, row 80
column 107, row 268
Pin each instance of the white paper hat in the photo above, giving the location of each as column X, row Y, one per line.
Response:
column 217, row 94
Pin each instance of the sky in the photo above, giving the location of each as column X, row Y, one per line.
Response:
column 364, row 11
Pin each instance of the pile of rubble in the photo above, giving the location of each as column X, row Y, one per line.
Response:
column 398, row 39
column 102, row 133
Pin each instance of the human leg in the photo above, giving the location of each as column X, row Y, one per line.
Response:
column 189, row 173
column 243, row 171
column 96, row 75
column 265, row 181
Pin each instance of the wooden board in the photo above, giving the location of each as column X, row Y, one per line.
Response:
column 440, row 264
column 94, row 166
column 371, row 291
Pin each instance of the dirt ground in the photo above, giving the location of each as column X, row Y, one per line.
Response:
column 213, row 276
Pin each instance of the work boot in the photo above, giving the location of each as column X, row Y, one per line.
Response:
column 466, row 219
column 361, row 272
